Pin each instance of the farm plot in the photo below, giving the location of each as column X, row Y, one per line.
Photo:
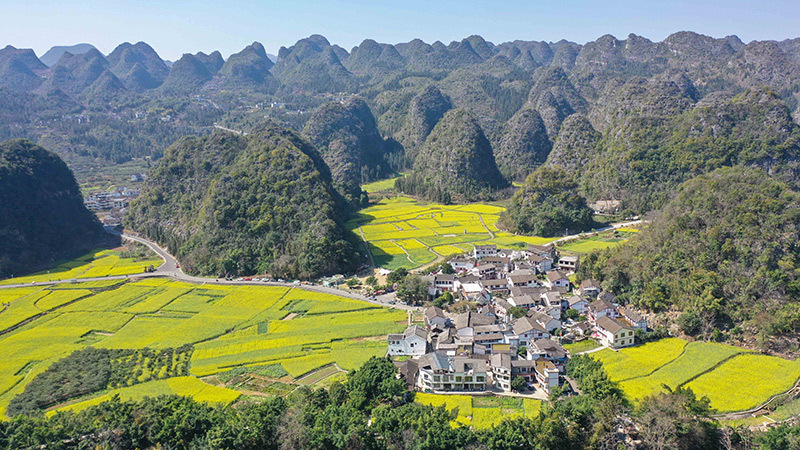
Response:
column 599, row 241
column 482, row 412
column 639, row 361
column 99, row 263
column 229, row 326
column 734, row 379
column 697, row 358
column 187, row 386
column 746, row 381
column 402, row 232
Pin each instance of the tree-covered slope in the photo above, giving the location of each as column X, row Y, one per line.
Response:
column 724, row 251
column 243, row 205
column 547, row 205
column 523, row 145
column 651, row 149
column 351, row 145
column 456, row 163
column 42, row 217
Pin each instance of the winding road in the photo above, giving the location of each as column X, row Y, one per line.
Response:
column 171, row 268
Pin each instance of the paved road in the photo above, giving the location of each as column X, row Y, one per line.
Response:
column 170, row 268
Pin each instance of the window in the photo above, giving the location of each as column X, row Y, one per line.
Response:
column 458, row 379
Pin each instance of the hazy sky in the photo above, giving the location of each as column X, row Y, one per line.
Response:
column 174, row 27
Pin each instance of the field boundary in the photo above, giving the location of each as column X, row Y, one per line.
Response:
column 714, row 367
column 743, row 414
column 683, row 350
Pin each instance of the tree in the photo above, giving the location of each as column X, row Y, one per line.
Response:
column 573, row 314
column 413, row 289
column 375, row 382
column 677, row 419
column 517, row 312
column 547, row 204
column 397, row 275
column 518, row 383
column 443, row 300
column 371, row 280
column 352, row 282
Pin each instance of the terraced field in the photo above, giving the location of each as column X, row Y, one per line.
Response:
column 734, row 379
column 99, row 263
column 229, row 327
column 482, row 412
column 403, row 232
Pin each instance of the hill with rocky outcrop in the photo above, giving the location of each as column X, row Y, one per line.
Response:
column 230, row 204
column 456, row 163
column 42, row 216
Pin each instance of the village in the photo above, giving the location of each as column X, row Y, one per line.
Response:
column 510, row 343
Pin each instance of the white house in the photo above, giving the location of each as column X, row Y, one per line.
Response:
column 483, row 251
column 462, row 264
column 542, row 264
column 547, row 321
column 521, row 278
column 501, row 371
column 634, row 318
column 413, row 342
column 557, row 279
column 526, row 330
column 613, row 333
column 579, row 304
column 569, row 263
column 547, row 374
column 435, row 318
column 443, row 282
column 441, row 373
column 600, row 308
column 589, row 288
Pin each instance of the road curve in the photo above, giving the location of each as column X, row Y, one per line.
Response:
column 171, row 268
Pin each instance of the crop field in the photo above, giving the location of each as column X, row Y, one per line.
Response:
column 386, row 185
column 581, row 346
column 698, row 357
column 746, row 381
column 734, row 379
column 187, row 386
column 639, row 361
column 229, row 326
column 482, row 412
column 599, row 241
column 100, row 263
column 402, row 232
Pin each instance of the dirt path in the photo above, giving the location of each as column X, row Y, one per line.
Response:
column 366, row 248
column 491, row 234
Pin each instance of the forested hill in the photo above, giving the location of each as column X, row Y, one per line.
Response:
column 629, row 119
column 42, row 217
column 242, row 205
column 724, row 252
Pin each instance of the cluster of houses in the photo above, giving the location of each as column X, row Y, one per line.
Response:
column 522, row 301
column 105, row 201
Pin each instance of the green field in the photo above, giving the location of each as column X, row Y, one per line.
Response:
column 386, row 185
column 98, row 263
column 403, row 232
column 600, row 241
column 581, row 346
column 734, row 379
column 229, row 326
column 482, row 412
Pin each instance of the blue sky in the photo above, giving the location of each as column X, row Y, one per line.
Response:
column 174, row 27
